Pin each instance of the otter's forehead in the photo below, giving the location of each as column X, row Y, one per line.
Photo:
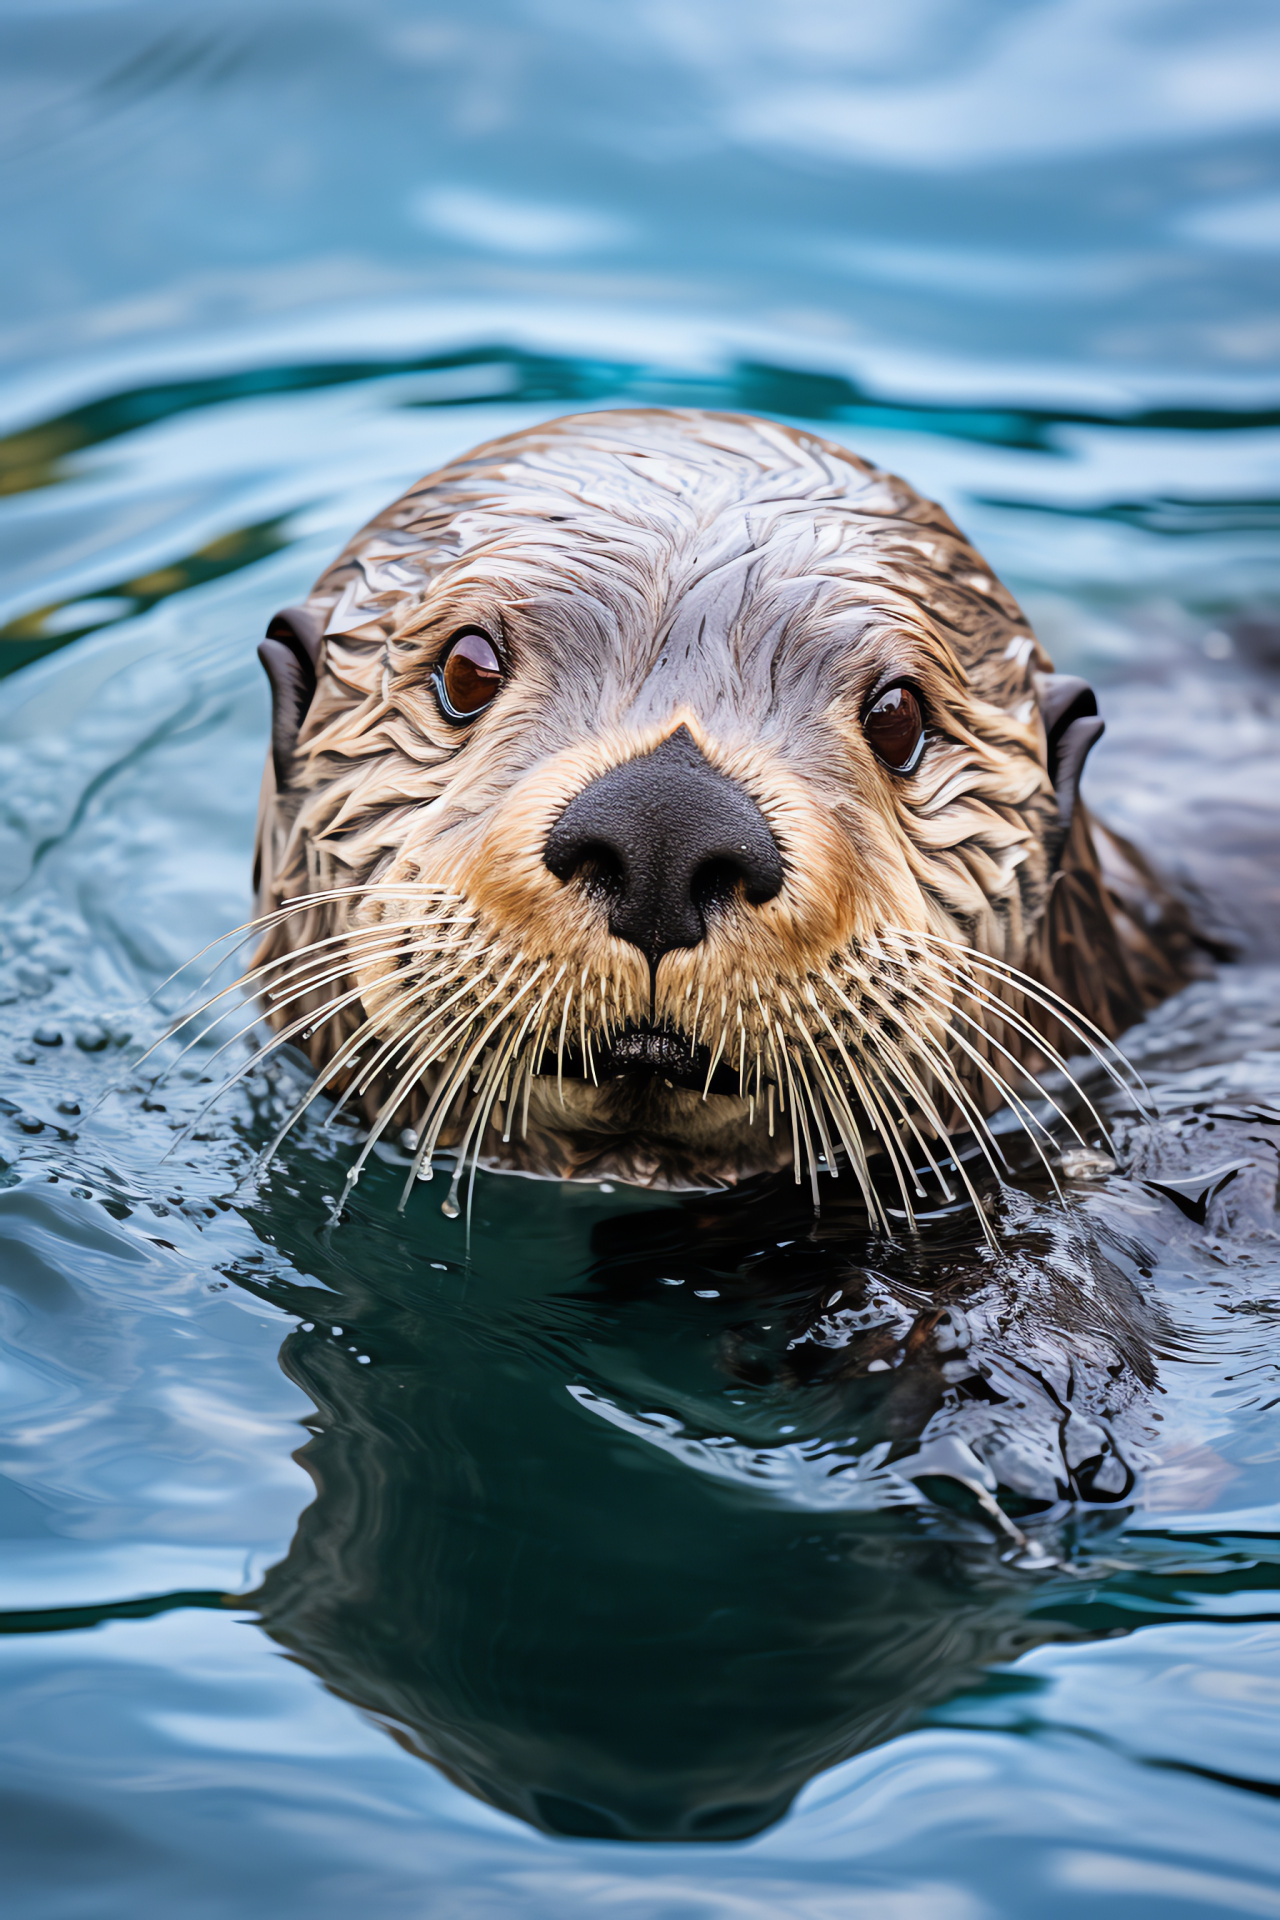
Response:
column 686, row 531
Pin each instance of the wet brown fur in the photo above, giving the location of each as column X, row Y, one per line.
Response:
column 641, row 571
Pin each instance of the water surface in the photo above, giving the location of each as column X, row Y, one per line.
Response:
column 598, row 1559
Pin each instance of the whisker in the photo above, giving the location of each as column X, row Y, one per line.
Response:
column 362, row 945
column 442, row 1098
column 899, row 1064
column 383, row 1118
column 715, row 1060
column 401, row 1037
column 955, row 1012
column 945, row 1074
column 510, row 1058
column 266, row 922
column 795, row 1117
column 820, row 1124
column 564, row 1021
column 1010, row 1016
column 582, row 1020
column 427, row 1053
column 535, row 1054
column 852, row 1070
column 361, row 1038
column 258, row 1056
column 487, row 1095
column 869, row 1092
column 1067, row 1016
column 1014, row 1100
column 175, row 1026
column 847, row 1128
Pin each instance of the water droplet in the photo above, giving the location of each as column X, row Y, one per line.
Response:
column 671, row 1283
column 449, row 1207
column 706, row 1293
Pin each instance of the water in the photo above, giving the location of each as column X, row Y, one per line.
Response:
column 576, row 1557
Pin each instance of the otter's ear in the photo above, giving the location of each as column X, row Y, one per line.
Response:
column 1072, row 726
column 290, row 654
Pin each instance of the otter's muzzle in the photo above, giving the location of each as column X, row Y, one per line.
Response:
column 665, row 839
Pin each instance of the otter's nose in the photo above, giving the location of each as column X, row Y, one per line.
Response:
column 664, row 838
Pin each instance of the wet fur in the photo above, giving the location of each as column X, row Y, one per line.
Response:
column 753, row 583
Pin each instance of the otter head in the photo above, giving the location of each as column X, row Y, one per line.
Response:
column 650, row 779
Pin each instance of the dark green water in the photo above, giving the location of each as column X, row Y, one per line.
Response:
column 615, row 1555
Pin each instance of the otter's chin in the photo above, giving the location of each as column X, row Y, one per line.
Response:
column 639, row 1127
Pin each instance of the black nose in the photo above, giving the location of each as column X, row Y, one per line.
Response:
column 664, row 838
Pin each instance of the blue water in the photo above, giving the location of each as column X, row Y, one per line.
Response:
column 263, row 267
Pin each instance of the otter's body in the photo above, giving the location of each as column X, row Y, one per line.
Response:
column 676, row 796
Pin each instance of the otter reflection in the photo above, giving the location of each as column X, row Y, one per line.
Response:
column 575, row 1624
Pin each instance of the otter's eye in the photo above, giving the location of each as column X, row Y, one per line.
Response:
column 468, row 677
column 895, row 728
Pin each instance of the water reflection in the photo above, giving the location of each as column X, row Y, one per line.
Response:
column 603, row 1525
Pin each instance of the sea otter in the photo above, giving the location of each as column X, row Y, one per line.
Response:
column 673, row 796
